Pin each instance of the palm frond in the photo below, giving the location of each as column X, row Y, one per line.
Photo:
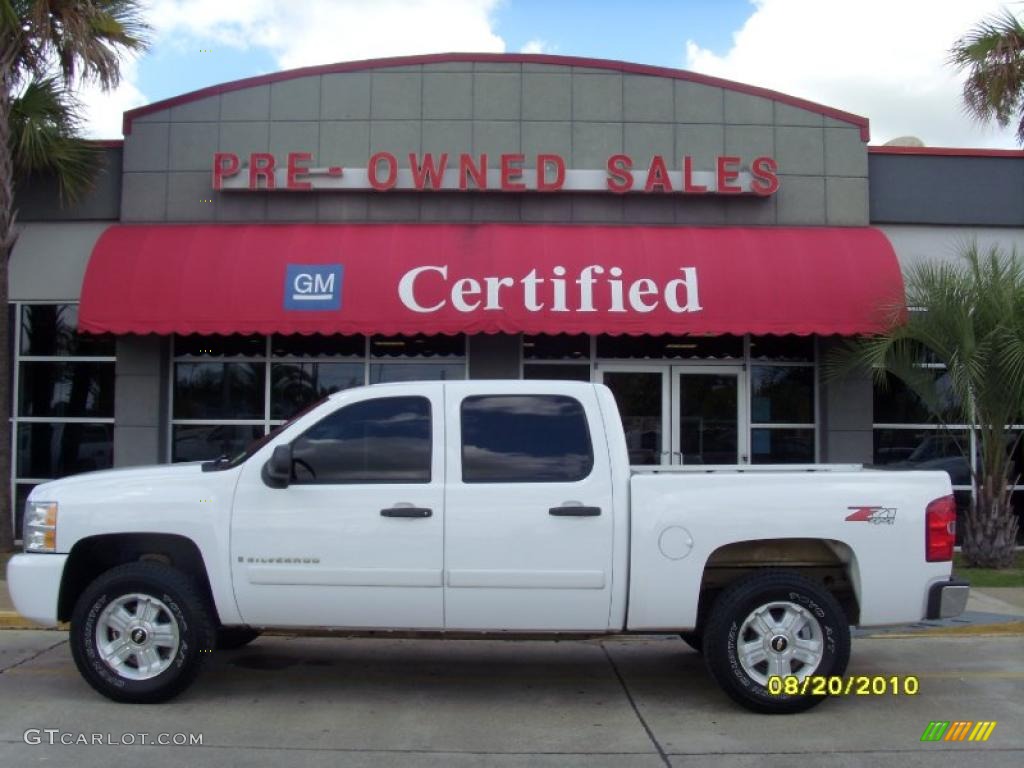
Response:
column 992, row 54
column 44, row 123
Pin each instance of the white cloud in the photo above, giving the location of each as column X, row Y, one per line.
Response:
column 301, row 33
column 103, row 112
column 312, row 32
column 538, row 46
column 883, row 59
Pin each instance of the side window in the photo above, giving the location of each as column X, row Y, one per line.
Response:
column 524, row 439
column 376, row 441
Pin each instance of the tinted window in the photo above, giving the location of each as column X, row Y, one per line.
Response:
column 524, row 439
column 376, row 441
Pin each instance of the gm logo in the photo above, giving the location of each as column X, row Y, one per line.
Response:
column 313, row 287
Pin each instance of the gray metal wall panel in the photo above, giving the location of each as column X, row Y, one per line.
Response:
column 948, row 190
column 39, row 200
column 585, row 114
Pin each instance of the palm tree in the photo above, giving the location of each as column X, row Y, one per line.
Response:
column 47, row 47
column 969, row 317
column 993, row 55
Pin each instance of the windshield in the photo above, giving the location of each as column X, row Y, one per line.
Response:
column 229, row 462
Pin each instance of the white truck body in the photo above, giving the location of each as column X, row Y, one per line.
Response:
column 500, row 556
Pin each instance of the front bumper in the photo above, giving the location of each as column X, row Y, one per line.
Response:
column 34, row 583
column 947, row 599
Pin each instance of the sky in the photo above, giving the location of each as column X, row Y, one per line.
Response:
column 882, row 59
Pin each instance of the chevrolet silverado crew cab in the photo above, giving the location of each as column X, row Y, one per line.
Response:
column 480, row 507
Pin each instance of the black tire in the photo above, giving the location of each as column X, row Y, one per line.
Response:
column 695, row 639
column 231, row 638
column 731, row 610
column 179, row 607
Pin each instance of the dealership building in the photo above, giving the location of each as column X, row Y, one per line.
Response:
column 696, row 244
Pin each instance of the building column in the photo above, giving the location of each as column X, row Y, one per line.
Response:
column 846, row 412
column 140, row 405
column 494, row 356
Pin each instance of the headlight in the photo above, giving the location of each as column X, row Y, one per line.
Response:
column 40, row 530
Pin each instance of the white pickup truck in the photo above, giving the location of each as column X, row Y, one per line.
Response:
column 480, row 507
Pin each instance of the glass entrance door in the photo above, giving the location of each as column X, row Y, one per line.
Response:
column 674, row 414
column 707, row 424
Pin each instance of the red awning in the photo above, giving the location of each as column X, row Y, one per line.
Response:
column 488, row 278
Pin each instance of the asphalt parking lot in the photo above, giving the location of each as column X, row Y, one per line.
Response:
column 637, row 701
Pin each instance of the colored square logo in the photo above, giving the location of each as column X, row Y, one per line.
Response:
column 313, row 287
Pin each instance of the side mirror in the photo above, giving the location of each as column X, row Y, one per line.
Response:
column 277, row 472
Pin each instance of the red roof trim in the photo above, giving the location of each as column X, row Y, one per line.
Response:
column 106, row 143
column 511, row 58
column 947, row 151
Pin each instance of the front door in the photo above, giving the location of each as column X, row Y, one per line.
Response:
column 680, row 414
column 357, row 538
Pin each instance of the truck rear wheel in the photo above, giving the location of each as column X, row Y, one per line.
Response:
column 775, row 624
column 140, row 632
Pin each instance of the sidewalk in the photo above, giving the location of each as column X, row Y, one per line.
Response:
column 999, row 609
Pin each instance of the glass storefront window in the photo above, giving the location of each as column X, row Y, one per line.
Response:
column 295, row 385
column 218, row 390
column 562, row 346
column 935, row 449
column 384, row 373
column 56, row 449
column 559, row 372
column 782, row 394
column 895, row 403
column 201, row 442
column 51, row 330
column 77, row 390
column 789, row 349
column 782, row 446
column 228, row 391
column 317, row 346
column 418, row 346
column 220, row 346
column 62, row 394
column 670, row 347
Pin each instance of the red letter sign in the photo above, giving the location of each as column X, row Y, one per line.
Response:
column 467, row 169
column 427, row 173
column 688, row 185
column 543, row 185
column 657, row 176
column 224, row 164
column 765, row 182
column 390, row 179
column 728, row 172
column 295, row 170
column 619, row 177
column 512, row 168
column 261, row 165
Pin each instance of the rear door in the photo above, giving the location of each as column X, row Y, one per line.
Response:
column 528, row 535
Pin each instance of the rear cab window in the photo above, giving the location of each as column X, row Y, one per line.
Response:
column 524, row 439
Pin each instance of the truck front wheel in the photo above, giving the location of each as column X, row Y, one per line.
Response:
column 140, row 632
column 771, row 631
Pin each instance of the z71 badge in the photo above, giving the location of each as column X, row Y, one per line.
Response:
column 875, row 515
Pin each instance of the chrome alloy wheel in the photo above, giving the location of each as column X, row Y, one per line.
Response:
column 137, row 636
column 779, row 638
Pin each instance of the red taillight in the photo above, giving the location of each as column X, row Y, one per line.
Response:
column 940, row 529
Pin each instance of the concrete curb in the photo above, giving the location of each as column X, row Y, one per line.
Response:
column 1008, row 628
column 13, row 620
